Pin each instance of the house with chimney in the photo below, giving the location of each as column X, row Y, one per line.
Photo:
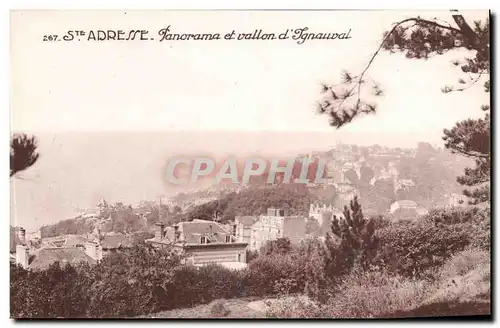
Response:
column 113, row 243
column 41, row 258
column 202, row 242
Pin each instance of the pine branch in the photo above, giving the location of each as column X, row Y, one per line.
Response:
column 339, row 115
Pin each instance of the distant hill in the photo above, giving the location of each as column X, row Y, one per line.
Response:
column 294, row 198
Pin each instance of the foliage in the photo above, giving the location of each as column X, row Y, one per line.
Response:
column 23, row 152
column 356, row 242
column 117, row 218
column 294, row 198
column 373, row 292
column 420, row 39
column 251, row 255
column 219, row 309
column 366, row 267
column 380, row 196
column 376, row 293
column 55, row 292
column 292, row 307
column 417, row 38
column 456, row 215
column 67, row 227
column 316, row 280
column 471, row 138
column 123, row 285
column 265, row 272
column 475, row 221
column 280, row 246
column 411, row 248
column 134, row 282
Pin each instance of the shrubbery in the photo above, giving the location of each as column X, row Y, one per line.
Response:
column 379, row 293
column 411, row 248
column 364, row 268
column 218, row 309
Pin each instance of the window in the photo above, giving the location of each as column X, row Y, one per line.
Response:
column 228, row 239
column 203, row 240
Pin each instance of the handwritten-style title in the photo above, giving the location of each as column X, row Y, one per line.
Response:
column 300, row 35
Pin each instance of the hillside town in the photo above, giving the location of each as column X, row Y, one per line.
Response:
column 352, row 171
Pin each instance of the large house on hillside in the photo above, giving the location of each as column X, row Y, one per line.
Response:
column 244, row 227
column 203, row 242
column 276, row 225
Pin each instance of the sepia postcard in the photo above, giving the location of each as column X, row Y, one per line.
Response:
column 265, row 164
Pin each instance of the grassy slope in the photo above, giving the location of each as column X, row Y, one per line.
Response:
column 445, row 309
column 238, row 309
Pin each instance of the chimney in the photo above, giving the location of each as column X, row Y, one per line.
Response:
column 22, row 256
column 159, row 230
column 21, row 234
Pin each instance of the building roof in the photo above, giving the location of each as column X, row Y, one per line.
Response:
column 75, row 240
column 247, row 221
column 64, row 255
column 115, row 241
column 192, row 231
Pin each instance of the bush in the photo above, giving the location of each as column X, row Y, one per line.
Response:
column 251, row 255
column 122, row 285
column 219, row 282
column 266, row 271
column 454, row 215
column 292, row 307
column 465, row 277
column 411, row 248
column 279, row 246
column 218, row 309
column 465, row 262
column 371, row 293
column 371, row 268
column 352, row 243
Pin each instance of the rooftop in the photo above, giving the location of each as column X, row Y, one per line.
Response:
column 64, row 255
column 115, row 241
column 246, row 220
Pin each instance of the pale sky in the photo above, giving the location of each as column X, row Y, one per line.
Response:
column 235, row 86
column 231, row 85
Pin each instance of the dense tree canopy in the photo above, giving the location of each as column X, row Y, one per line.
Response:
column 294, row 198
